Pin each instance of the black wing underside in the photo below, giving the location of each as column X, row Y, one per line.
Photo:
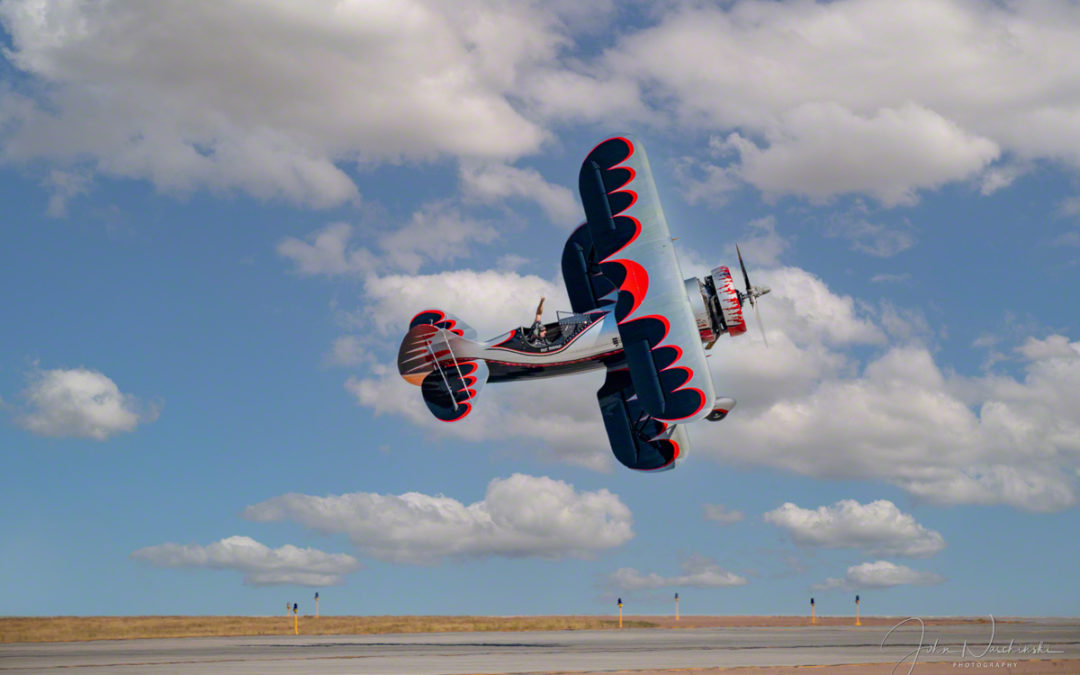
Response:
column 638, row 440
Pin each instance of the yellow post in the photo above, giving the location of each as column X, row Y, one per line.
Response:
column 296, row 619
column 857, row 622
column 316, row 605
column 676, row 606
column 813, row 617
column 620, row 612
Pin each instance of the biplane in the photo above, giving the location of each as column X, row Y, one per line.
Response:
column 633, row 314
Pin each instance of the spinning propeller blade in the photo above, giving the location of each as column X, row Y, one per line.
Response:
column 760, row 325
column 745, row 276
column 752, row 294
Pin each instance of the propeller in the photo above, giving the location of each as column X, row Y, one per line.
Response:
column 752, row 294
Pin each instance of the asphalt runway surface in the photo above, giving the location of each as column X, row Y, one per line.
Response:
column 556, row 651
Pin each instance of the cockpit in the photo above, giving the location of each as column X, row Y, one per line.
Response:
column 548, row 337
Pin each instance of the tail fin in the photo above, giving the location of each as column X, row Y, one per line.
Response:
column 440, row 319
column 432, row 356
column 432, row 338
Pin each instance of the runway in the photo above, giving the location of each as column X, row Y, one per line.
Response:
column 555, row 651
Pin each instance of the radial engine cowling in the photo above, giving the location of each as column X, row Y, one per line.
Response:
column 728, row 303
column 717, row 305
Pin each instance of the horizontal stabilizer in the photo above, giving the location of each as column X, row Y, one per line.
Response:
column 449, row 390
column 434, row 337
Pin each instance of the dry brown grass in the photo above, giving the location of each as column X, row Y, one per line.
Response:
column 77, row 628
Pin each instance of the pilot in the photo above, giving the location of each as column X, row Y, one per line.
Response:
column 538, row 332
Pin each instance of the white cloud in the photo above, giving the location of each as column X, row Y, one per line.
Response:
column 1053, row 347
column 490, row 301
column 718, row 513
column 879, row 574
column 830, row 98
column 880, row 241
column 824, row 149
column 817, row 99
column 260, row 564
column 519, row 516
column 878, row 528
column 698, row 572
column 949, row 439
column 80, row 403
column 886, row 278
column 1000, row 177
column 436, row 232
column 346, row 351
column 489, row 182
column 763, row 246
column 326, row 252
column 271, row 99
column 65, row 186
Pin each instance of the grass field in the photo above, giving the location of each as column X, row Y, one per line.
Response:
column 78, row 628
column 75, row 628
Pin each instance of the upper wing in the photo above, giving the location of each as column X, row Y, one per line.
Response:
column 638, row 441
column 632, row 246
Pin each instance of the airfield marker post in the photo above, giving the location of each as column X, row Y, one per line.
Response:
column 316, row 604
column 813, row 617
column 620, row 612
column 676, row 606
column 857, row 622
column 296, row 618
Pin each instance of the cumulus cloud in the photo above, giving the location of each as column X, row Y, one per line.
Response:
column 346, row 351
column 698, row 572
column 949, row 439
column 812, row 99
column 520, row 516
column 824, row 149
column 490, row 301
column 879, row 574
column 718, row 513
column 217, row 102
column 436, row 232
column 880, row 241
column 496, row 182
column 829, row 98
column 327, row 252
column 878, row 528
column 65, row 186
column 80, row 403
column 260, row 564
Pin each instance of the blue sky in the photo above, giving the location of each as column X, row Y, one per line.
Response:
column 217, row 221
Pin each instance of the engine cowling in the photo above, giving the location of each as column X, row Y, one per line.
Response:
column 728, row 302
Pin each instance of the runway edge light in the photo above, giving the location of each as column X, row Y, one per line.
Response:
column 620, row 612
column 676, row 606
column 813, row 616
column 857, row 622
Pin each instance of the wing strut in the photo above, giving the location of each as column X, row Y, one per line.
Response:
column 435, row 360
